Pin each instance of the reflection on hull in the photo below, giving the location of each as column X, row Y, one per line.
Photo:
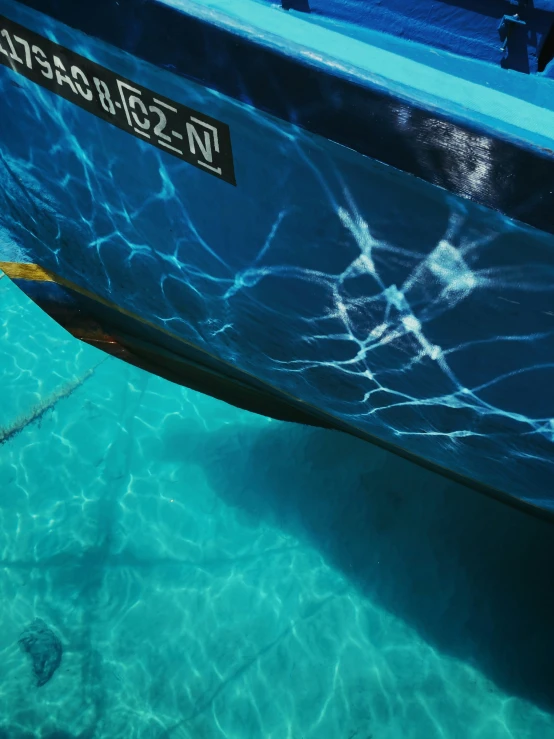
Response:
column 143, row 345
column 326, row 287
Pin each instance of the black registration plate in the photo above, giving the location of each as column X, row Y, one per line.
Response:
column 174, row 128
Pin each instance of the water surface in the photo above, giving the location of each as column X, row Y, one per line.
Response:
column 214, row 574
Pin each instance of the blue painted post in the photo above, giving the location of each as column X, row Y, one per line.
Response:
column 302, row 5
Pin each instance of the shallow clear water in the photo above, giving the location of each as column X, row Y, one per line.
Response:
column 211, row 573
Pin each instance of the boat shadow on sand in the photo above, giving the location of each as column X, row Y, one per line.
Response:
column 473, row 576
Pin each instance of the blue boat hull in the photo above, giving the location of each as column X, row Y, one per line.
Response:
column 324, row 286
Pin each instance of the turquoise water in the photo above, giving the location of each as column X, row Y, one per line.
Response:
column 211, row 573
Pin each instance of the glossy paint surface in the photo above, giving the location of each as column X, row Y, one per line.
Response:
column 482, row 132
column 416, row 316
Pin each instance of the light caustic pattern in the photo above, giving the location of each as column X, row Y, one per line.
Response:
column 211, row 573
column 418, row 317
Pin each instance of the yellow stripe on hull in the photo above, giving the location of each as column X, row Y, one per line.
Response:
column 25, row 271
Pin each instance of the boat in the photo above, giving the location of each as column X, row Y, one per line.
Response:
column 331, row 212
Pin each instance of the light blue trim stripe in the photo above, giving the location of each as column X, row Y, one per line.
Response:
column 431, row 87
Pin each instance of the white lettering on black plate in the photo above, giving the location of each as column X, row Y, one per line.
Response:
column 172, row 127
